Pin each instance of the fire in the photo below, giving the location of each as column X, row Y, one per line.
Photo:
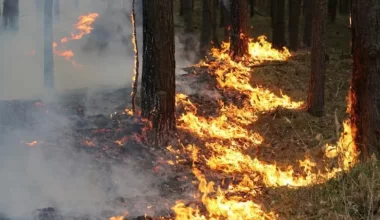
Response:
column 226, row 136
column 88, row 143
column 82, row 27
column 30, row 144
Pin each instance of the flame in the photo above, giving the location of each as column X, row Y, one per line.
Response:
column 82, row 27
column 31, row 143
column 226, row 136
column 88, row 143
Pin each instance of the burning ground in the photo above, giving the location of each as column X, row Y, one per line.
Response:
column 241, row 145
column 245, row 148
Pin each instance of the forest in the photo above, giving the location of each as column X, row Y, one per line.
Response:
column 215, row 109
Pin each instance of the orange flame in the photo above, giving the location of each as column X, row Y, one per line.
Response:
column 31, row 144
column 226, row 136
column 83, row 27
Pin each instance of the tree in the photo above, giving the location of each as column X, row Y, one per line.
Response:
column 343, row 7
column 316, row 96
column 187, row 11
column 294, row 20
column 160, row 99
column 206, row 28
column 48, row 45
column 252, row 5
column 365, row 84
column 225, row 19
column 148, row 89
column 278, row 22
column 56, row 9
column 333, row 4
column 11, row 14
column 239, row 28
column 308, row 17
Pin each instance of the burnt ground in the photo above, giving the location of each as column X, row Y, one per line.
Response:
column 97, row 127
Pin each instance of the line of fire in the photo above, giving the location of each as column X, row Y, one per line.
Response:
column 227, row 110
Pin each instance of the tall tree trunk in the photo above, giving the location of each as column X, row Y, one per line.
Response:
column 272, row 10
column 365, row 84
column 333, row 4
column 56, row 9
column 48, row 45
column 213, row 5
column 181, row 7
column 225, row 18
column 316, row 96
column 308, row 17
column 11, row 14
column 164, row 61
column 187, row 10
column 343, row 7
column 76, row 3
column 294, row 20
column 278, row 21
column 206, row 28
column 148, row 89
column 252, row 5
column 239, row 28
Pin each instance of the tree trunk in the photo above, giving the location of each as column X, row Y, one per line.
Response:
column 252, row 5
column 365, row 84
column 148, row 88
column 239, row 28
column 225, row 18
column 294, row 20
column 213, row 5
column 164, row 62
column 278, row 21
column 206, row 28
column 272, row 8
column 56, row 9
column 11, row 14
column 316, row 96
column 76, row 3
column 333, row 4
column 48, row 45
column 308, row 17
column 187, row 10
column 343, row 7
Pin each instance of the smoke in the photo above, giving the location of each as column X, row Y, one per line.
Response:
column 59, row 175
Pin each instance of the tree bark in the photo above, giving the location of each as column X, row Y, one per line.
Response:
column 308, row 18
column 11, row 14
column 56, row 9
column 365, row 84
column 206, row 28
column 343, row 7
column 187, row 10
column 278, row 21
column 148, row 88
column 316, row 96
column 225, row 18
column 294, row 20
column 252, row 5
column 164, row 60
column 239, row 29
column 48, row 45
column 333, row 4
